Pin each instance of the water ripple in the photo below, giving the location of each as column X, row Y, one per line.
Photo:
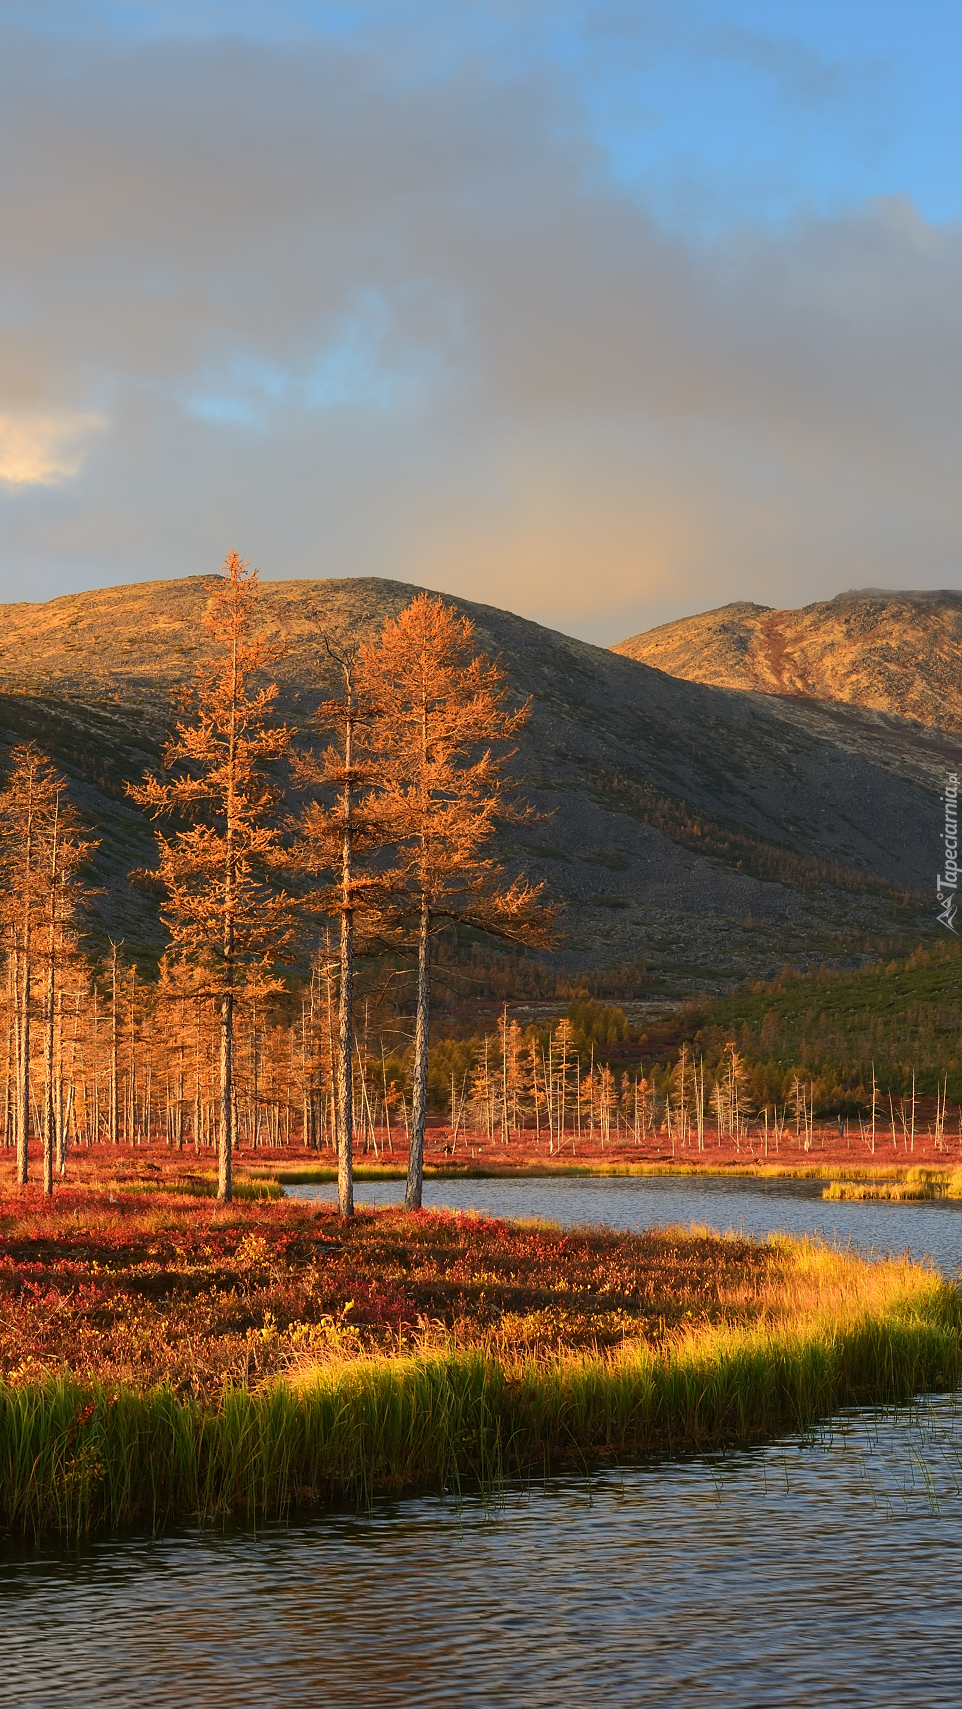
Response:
column 923, row 1228
column 817, row 1572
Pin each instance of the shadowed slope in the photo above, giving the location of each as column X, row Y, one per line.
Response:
column 680, row 812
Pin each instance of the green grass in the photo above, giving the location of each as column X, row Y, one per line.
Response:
column 246, row 1188
column 77, row 1456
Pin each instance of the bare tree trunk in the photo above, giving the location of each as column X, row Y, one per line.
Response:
column 197, row 1098
column 95, row 1053
column 114, row 1132
column 345, row 1089
column 306, row 1096
column 387, row 1102
column 224, row 1182
column 147, row 1110
column 9, row 1110
column 180, row 1112
column 419, row 1072
column 50, row 1040
column 23, row 1066
column 49, row 1114
column 226, row 1137
column 130, row 1100
column 255, row 1081
column 345, row 1018
column 66, row 1095
column 332, row 1054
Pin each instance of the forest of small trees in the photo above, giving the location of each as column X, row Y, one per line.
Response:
column 281, row 867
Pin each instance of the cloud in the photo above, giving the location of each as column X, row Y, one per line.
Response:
column 354, row 312
column 42, row 448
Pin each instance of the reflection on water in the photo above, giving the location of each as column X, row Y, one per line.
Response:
column 819, row 1573
column 932, row 1229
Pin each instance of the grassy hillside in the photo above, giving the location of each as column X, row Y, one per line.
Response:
column 903, row 1015
column 707, row 834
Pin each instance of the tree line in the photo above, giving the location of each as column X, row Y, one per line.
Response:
column 390, row 840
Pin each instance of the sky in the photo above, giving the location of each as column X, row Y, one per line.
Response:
column 604, row 311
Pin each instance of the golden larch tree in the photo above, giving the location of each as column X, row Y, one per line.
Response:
column 227, row 912
column 43, row 850
column 440, row 745
column 342, row 830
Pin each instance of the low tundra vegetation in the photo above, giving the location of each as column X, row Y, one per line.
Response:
column 126, row 1288
column 164, row 1356
column 143, row 1290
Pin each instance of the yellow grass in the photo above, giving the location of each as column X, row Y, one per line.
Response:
column 818, row 1330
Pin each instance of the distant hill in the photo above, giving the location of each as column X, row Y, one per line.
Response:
column 892, row 652
column 715, row 834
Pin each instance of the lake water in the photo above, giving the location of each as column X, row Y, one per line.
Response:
column 817, row 1572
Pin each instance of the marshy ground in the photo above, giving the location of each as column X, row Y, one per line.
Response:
column 128, row 1288
column 163, row 1355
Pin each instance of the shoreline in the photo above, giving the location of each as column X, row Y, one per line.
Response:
column 89, row 1457
column 543, row 1171
column 265, row 1357
column 159, row 1166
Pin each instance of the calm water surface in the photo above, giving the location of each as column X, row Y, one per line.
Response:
column 817, row 1572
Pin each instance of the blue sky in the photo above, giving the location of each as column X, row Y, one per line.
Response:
column 602, row 311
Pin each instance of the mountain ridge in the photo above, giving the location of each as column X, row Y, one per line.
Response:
column 891, row 652
column 714, row 834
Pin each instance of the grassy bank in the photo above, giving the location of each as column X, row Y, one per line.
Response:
column 317, row 1174
column 180, row 1359
column 919, row 1184
column 79, row 1455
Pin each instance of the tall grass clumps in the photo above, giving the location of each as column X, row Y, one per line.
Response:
column 770, row 1337
column 917, row 1184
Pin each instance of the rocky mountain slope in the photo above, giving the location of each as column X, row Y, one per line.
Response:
column 713, row 833
column 899, row 653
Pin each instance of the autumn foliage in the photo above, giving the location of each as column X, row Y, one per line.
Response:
column 392, row 840
column 225, row 914
column 441, row 743
column 167, row 1287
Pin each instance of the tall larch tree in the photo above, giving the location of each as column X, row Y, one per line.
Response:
column 342, row 827
column 441, row 745
column 65, row 851
column 43, row 850
column 227, row 912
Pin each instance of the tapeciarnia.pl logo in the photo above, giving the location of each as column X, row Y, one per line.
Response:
column 947, row 882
